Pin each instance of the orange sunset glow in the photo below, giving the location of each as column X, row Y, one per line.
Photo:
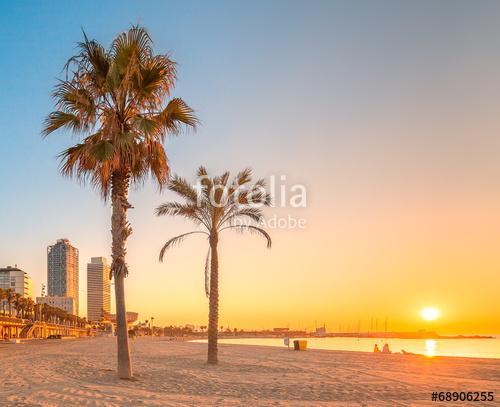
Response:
column 250, row 203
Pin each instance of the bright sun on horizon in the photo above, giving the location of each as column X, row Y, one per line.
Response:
column 430, row 313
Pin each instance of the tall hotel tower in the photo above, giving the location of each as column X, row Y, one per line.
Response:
column 98, row 289
column 62, row 271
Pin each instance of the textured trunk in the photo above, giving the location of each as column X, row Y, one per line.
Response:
column 213, row 314
column 120, row 231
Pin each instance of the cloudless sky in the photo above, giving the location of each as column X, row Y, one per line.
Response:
column 386, row 111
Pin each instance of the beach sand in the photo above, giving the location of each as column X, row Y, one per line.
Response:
column 80, row 372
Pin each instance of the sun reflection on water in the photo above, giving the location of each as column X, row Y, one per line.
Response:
column 430, row 347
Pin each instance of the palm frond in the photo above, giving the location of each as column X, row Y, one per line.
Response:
column 156, row 160
column 92, row 57
column 176, row 112
column 254, row 214
column 175, row 241
column 188, row 211
column 243, row 177
column 201, row 172
column 72, row 97
column 135, row 40
column 157, row 78
column 205, row 182
column 59, row 119
column 103, row 150
column 251, row 229
column 145, row 125
column 182, row 187
column 174, row 208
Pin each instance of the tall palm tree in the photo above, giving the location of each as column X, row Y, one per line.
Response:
column 116, row 99
column 215, row 205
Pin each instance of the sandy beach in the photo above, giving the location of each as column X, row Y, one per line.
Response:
column 171, row 373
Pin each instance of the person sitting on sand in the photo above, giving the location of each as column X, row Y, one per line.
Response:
column 376, row 349
column 386, row 349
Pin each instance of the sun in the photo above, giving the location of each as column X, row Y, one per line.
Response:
column 430, row 313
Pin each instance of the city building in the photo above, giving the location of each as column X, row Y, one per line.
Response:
column 17, row 279
column 98, row 289
column 67, row 304
column 62, row 271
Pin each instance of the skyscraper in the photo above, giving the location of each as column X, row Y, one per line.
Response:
column 98, row 289
column 62, row 271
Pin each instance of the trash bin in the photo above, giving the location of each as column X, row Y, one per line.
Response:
column 299, row 345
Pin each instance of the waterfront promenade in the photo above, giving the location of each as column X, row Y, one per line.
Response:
column 26, row 329
column 81, row 372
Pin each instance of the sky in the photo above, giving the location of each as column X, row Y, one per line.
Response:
column 387, row 113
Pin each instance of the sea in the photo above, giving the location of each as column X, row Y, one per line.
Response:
column 472, row 348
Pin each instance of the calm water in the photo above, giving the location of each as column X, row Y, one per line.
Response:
column 476, row 348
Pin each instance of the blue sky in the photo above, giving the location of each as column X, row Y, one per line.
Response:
column 384, row 110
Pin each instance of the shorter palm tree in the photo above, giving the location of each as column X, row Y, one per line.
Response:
column 217, row 204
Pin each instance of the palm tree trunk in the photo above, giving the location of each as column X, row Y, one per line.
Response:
column 120, row 231
column 213, row 313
